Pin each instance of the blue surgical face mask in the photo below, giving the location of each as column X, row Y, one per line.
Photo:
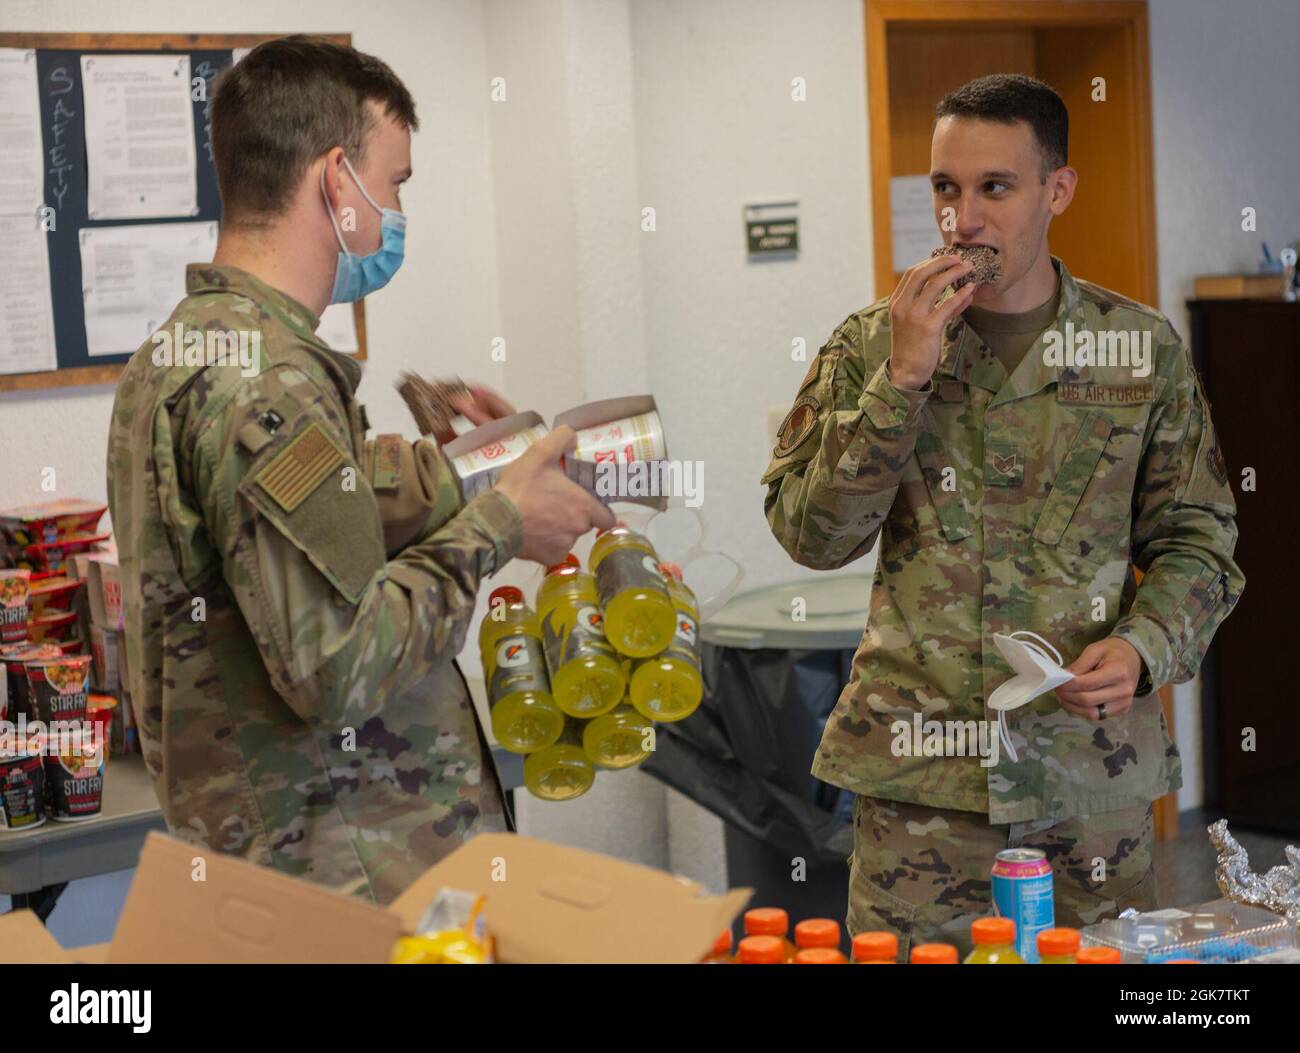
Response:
column 358, row 276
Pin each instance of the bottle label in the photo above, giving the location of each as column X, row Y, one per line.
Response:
column 627, row 568
column 519, row 666
column 685, row 644
column 570, row 632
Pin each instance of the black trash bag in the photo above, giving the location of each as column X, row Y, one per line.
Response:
column 746, row 753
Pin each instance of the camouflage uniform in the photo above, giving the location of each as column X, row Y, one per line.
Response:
column 1004, row 503
column 295, row 685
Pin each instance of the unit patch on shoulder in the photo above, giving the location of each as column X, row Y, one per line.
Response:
column 387, row 472
column 798, row 424
column 1214, row 459
column 300, row 467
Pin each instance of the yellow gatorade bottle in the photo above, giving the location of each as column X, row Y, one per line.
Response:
column 639, row 615
column 995, row 942
column 560, row 771
column 618, row 739
column 524, row 715
column 1058, row 946
column 669, row 686
column 586, row 676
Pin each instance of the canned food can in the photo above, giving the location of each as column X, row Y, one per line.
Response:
column 1022, row 891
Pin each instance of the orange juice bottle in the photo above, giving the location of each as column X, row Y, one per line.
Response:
column 820, row 956
column 1058, row 946
column 875, row 948
column 817, row 932
column 524, row 715
column 586, row 676
column 639, row 614
column 995, row 942
column 1098, row 956
column 761, row 950
column 720, row 952
column 770, row 921
column 934, row 954
column 669, row 686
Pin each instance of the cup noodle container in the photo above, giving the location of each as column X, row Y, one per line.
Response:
column 617, row 432
column 478, row 456
column 14, row 588
column 22, row 790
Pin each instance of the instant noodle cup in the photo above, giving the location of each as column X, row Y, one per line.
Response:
column 22, row 789
column 56, row 555
column 15, row 587
column 15, row 657
column 74, row 776
column 57, row 687
column 59, row 627
column 99, row 712
column 51, row 520
column 51, row 594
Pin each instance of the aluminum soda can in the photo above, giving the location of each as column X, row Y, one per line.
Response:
column 1022, row 891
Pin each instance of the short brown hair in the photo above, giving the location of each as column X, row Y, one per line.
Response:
column 1010, row 97
column 286, row 103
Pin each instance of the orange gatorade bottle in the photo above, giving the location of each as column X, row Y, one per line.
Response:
column 817, row 932
column 875, row 948
column 1098, row 956
column 995, row 942
column 1058, row 946
column 770, row 921
column 761, row 950
column 586, row 676
column 720, row 952
column 820, row 956
column 934, row 954
column 524, row 715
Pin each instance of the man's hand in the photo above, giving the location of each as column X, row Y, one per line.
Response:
column 481, row 405
column 916, row 325
column 1106, row 674
column 556, row 511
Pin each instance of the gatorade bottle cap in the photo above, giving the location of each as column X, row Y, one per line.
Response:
column 993, row 930
column 508, row 594
column 568, row 561
column 672, row 570
column 761, row 950
column 1097, row 956
column 875, row 947
column 766, row 921
column 722, row 945
column 1058, row 941
column 817, row 932
column 820, row 956
column 618, row 523
column 934, row 954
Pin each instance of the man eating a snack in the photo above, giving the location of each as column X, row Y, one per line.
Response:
column 1012, row 484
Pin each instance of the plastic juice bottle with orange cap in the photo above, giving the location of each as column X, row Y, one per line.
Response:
column 524, row 715
column 669, row 686
column 620, row 738
column 639, row 614
column 995, row 942
column 586, row 677
column 720, row 952
column 761, row 950
column 875, row 948
column 817, row 932
column 934, row 954
column 770, row 921
column 560, row 771
column 820, row 956
column 1098, row 956
column 1058, row 946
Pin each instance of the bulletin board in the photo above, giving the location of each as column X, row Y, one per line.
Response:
column 62, row 120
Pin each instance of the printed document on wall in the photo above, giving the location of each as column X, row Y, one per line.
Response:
column 140, row 156
column 133, row 277
column 22, row 175
column 911, row 213
column 26, row 310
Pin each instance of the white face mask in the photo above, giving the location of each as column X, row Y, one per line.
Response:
column 1035, row 674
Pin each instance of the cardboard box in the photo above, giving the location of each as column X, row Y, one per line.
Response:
column 105, row 646
column 543, row 903
column 104, row 590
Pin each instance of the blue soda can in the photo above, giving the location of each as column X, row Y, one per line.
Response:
column 1022, row 891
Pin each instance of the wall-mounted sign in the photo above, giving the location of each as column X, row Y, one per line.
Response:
column 772, row 230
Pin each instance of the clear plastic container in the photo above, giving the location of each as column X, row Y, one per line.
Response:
column 1220, row 931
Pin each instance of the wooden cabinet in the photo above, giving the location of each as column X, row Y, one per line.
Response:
column 1248, row 353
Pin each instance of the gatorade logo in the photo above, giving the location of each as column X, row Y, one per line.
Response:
column 686, row 629
column 591, row 619
column 512, row 652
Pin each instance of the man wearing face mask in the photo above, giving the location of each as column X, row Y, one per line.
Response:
column 1011, row 490
column 294, row 594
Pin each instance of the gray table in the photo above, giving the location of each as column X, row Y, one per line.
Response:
column 37, row 864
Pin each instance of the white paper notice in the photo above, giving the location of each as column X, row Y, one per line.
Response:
column 26, row 311
column 338, row 327
column 140, row 157
column 22, row 175
column 915, row 233
column 133, row 277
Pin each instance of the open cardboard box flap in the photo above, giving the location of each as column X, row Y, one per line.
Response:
column 550, row 903
column 543, row 902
